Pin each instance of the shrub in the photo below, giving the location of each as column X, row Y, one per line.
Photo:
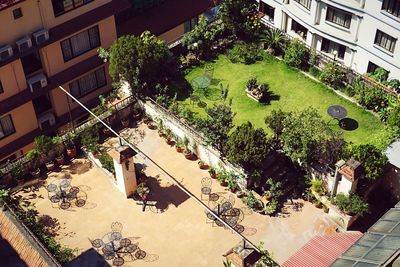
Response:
column 371, row 158
column 245, row 53
column 275, row 40
column 333, row 75
column 352, row 204
column 393, row 119
column 107, row 162
column 315, row 72
column 372, row 98
column 317, row 186
column 296, row 54
column 250, row 200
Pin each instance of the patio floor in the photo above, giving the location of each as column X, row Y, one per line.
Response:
column 178, row 235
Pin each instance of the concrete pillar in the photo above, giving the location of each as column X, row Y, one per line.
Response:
column 337, row 176
column 124, row 166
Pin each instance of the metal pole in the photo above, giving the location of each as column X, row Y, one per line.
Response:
column 69, row 112
column 165, row 173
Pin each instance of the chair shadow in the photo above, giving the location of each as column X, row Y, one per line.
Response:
column 87, row 259
column 348, row 124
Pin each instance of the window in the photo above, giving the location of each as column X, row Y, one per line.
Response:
column 392, row 7
column 80, row 43
column 17, row 13
column 190, row 24
column 332, row 48
column 385, row 41
column 1, row 88
column 62, row 6
column 6, row 126
column 88, row 83
column 338, row 17
column 268, row 10
column 305, row 3
column 299, row 29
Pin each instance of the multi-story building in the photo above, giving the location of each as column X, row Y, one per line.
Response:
column 362, row 34
column 45, row 44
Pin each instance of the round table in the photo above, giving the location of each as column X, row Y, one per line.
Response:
column 201, row 82
column 337, row 112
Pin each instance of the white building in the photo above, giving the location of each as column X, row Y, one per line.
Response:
column 362, row 33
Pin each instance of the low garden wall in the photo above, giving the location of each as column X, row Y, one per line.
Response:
column 29, row 249
column 181, row 130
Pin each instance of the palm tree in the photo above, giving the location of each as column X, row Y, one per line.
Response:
column 275, row 39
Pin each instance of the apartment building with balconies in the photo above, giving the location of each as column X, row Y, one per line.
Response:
column 45, row 44
column 359, row 33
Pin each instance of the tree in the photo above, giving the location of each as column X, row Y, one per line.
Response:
column 296, row 54
column 275, row 40
column 332, row 74
column 240, row 17
column 142, row 61
column 393, row 119
column 247, row 147
column 217, row 125
column 306, row 137
column 201, row 38
column 275, row 121
column 371, row 158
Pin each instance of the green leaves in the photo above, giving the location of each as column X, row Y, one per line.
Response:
column 247, row 147
column 371, row 158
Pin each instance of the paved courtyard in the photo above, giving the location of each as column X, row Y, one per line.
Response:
column 174, row 233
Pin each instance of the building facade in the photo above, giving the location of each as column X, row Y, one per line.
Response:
column 361, row 34
column 52, row 43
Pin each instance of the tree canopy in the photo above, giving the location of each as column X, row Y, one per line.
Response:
column 371, row 158
column 240, row 17
column 142, row 61
column 247, row 147
column 217, row 125
column 308, row 138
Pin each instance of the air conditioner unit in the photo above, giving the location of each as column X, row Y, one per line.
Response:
column 36, row 82
column 24, row 44
column 46, row 119
column 6, row 52
column 41, row 36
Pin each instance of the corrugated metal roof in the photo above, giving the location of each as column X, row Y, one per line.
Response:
column 321, row 251
column 393, row 154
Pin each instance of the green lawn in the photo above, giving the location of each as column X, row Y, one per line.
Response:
column 293, row 89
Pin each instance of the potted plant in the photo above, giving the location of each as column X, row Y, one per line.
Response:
column 274, row 189
column 43, row 144
column 89, row 140
column 168, row 136
column 179, row 146
column 317, row 186
column 136, row 110
column 326, row 208
column 17, row 173
column 232, row 182
column 202, row 165
column 3, row 198
column 271, row 207
column 125, row 122
column 318, row 203
column 143, row 191
column 35, row 163
column 239, row 193
column 222, row 178
column 59, row 149
column 188, row 153
column 212, row 172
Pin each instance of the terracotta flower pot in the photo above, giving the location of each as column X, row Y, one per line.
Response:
column 189, row 155
column 151, row 126
column 50, row 166
column 213, row 175
column 223, row 183
column 60, row 160
column 125, row 123
column 35, row 173
column 179, row 150
column 71, row 152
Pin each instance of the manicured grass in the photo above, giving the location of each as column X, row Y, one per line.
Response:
column 293, row 90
